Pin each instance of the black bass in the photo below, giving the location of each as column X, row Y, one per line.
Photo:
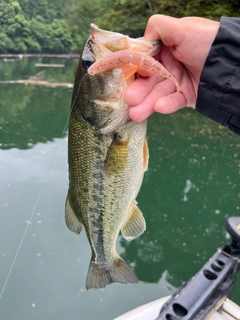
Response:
column 107, row 155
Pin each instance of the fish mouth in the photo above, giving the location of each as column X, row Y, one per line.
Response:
column 110, row 41
column 103, row 42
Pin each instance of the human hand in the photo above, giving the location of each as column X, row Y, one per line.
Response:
column 186, row 44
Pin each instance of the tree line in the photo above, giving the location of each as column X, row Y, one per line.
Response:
column 62, row 26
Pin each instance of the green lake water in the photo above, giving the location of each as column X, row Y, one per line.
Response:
column 190, row 188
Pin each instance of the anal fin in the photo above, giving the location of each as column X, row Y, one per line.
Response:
column 71, row 220
column 135, row 223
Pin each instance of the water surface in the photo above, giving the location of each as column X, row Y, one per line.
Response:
column 190, row 188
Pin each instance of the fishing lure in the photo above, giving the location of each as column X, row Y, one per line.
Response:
column 133, row 57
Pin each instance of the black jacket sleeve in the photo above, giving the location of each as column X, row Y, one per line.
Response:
column 218, row 95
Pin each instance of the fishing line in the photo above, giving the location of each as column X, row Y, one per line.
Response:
column 40, row 193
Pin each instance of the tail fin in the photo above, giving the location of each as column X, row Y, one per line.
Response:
column 100, row 276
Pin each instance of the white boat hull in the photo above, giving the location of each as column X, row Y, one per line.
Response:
column 150, row 311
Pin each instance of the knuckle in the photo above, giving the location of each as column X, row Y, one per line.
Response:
column 153, row 19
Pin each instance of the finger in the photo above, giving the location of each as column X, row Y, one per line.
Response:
column 140, row 88
column 170, row 103
column 144, row 72
column 141, row 112
column 146, row 107
column 164, row 28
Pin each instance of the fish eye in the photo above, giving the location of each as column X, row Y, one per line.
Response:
column 86, row 64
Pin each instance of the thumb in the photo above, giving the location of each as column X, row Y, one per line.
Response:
column 164, row 28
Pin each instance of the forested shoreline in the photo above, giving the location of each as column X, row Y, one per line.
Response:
column 61, row 26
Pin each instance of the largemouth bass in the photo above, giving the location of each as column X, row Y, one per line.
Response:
column 108, row 155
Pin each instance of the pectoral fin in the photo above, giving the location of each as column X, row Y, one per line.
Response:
column 117, row 156
column 71, row 220
column 135, row 224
